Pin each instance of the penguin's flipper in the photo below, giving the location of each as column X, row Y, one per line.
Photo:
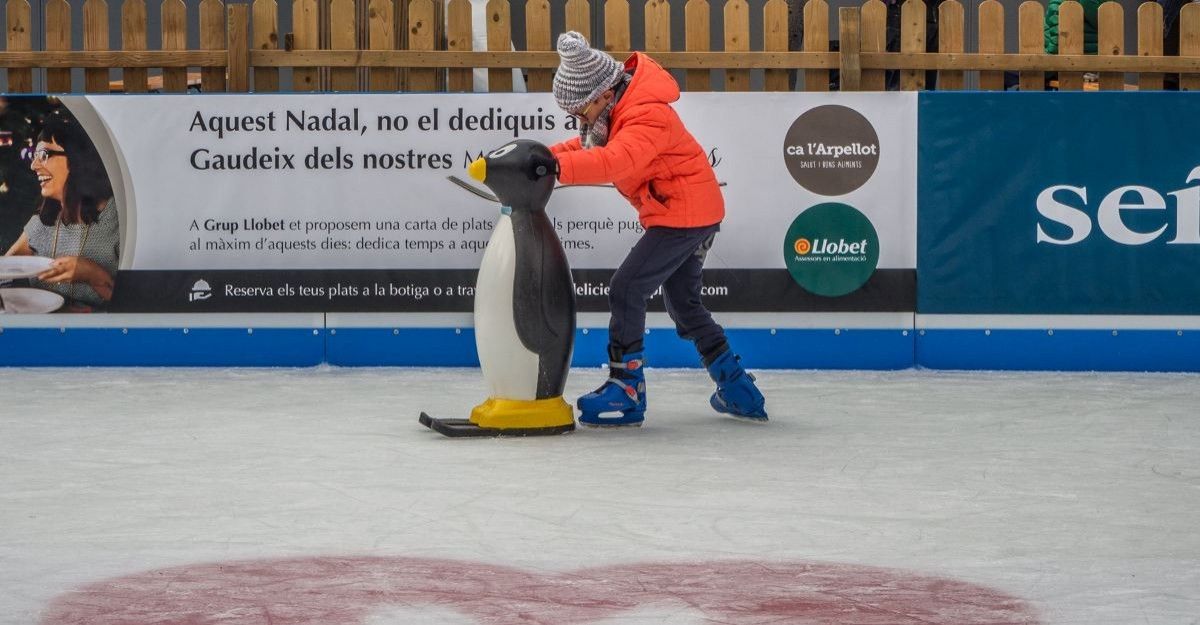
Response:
column 544, row 297
column 463, row 428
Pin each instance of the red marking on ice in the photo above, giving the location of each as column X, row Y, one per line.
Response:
column 346, row 590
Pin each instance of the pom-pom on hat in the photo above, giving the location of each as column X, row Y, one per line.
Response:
column 583, row 72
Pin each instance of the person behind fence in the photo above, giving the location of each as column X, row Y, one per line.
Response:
column 1171, row 39
column 893, row 32
column 76, row 224
column 631, row 136
column 1091, row 22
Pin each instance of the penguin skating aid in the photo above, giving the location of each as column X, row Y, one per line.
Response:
column 524, row 304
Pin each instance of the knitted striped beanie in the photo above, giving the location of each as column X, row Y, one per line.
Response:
column 583, row 72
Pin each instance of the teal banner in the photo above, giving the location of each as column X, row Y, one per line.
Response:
column 1059, row 203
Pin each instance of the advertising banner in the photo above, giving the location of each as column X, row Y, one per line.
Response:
column 361, row 203
column 1064, row 203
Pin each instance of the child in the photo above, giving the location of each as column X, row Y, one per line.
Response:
column 631, row 136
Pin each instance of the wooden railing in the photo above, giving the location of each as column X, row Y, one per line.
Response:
column 241, row 48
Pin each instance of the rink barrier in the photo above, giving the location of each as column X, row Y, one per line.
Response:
column 1059, row 342
column 810, row 341
column 803, row 341
column 813, row 341
column 125, row 340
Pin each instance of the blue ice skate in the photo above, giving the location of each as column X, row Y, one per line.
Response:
column 624, row 392
column 736, row 394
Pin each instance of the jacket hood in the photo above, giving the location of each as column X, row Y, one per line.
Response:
column 651, row 84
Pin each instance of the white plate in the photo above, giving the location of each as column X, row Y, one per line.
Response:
column 29, row 301
column 15, row 267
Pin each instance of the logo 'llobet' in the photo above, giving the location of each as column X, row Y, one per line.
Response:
column 831, row 249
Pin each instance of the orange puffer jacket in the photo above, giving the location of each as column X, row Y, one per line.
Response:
column 650, row 157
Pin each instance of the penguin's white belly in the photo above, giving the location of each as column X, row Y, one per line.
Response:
column 510, row 369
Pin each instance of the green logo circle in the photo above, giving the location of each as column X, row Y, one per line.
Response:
column 831, row 249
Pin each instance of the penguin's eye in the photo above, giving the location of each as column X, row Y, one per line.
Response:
column 502, row 151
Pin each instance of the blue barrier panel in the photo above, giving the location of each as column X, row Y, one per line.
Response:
column 202, row 347
column 760, row 348
column 825, row 348
column 425, row 347
column 1060, row 350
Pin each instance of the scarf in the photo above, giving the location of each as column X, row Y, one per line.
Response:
column 596, row 134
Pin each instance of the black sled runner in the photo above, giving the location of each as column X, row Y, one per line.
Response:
column 465, row 428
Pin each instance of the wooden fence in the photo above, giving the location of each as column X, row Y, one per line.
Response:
column 241, row 48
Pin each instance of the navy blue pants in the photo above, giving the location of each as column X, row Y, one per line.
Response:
column 672, row 258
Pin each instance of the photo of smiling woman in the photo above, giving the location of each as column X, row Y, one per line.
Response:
column 76, row 225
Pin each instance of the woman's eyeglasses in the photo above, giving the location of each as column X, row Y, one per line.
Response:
column 41, row 155
column 582, row 115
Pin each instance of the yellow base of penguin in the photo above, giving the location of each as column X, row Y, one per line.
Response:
column 503, row 414
column 509, row 417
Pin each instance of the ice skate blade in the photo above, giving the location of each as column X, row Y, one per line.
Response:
column 464, row 428
column 625, row 421
column 610, row 426
column 723, row 410
column 746, row 419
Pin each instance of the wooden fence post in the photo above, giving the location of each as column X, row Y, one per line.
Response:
column 737, row 39
column 775, row 39
column 617, row 34
column 816, row 39
column 1189, row 43
column 19, row 39
column 421, row 36
column 212, row 37
column 1111, row 42
column 950, row 40
column 343, row 35
column 266, row 37
column 873, row 38
column 1031, row 40
column 1150, row 42
column 912, row 40
column 537, row 37
column 238, row 48
column 458, row 38
column 850, row 67
column 499, row 39
column 174, row 37
column 696, row 33
column 305, row 36
column 991, row 41
column 1070, row 42
column 95, row 38
column 381, row 35
column 579, row 17
column 133, row 37
column 658, row 26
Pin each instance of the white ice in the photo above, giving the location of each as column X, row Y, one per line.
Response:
column 1078, row 493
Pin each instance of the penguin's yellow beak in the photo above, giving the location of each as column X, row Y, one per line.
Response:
column 478, row 169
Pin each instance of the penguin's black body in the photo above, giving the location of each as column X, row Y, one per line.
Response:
column 543, row 291
column 524, row 304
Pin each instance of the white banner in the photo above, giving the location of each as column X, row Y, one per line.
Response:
column 361, row 181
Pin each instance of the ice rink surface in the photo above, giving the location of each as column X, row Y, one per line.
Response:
column 313, row 496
